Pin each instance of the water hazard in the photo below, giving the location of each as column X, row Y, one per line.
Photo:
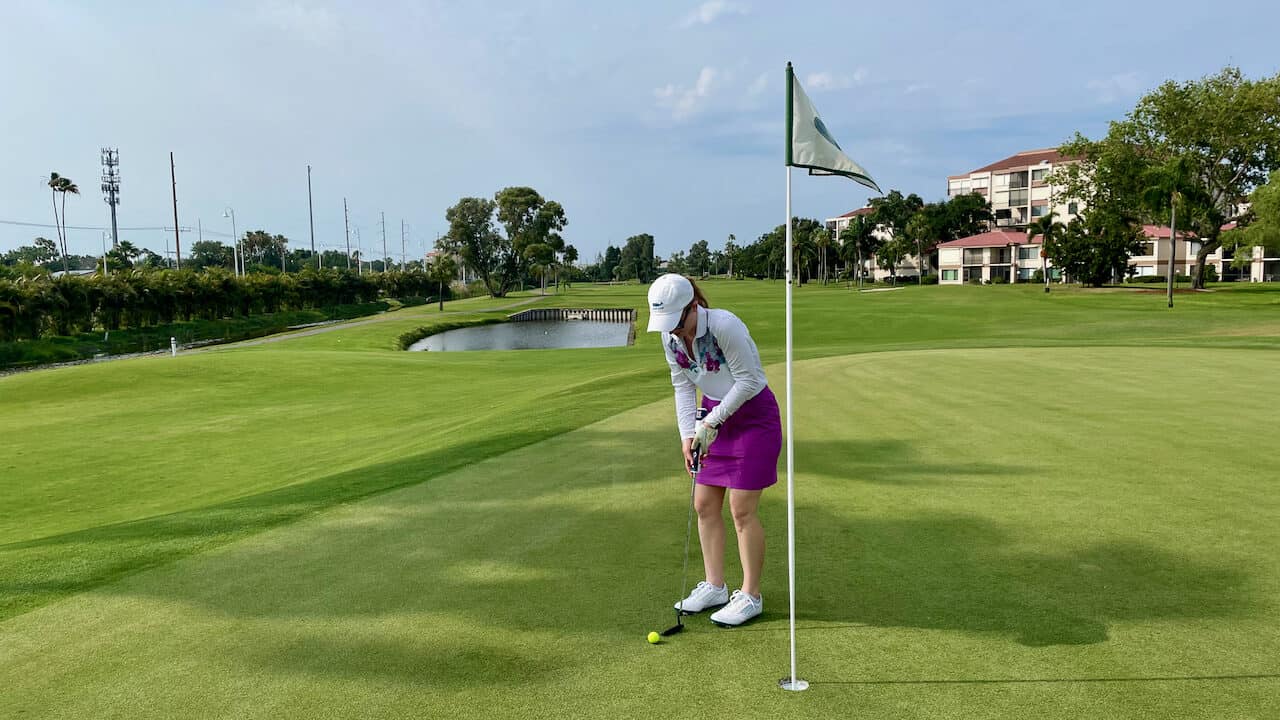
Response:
column 530, row 335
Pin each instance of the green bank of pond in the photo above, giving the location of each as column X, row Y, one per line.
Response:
column 26, row 354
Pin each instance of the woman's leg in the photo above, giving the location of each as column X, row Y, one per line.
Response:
column 743, row 503
column 708, row 502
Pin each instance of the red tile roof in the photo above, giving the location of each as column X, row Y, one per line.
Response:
column 860, row 211
column 994, row 238
column 1024, row 159
column 1161, row 232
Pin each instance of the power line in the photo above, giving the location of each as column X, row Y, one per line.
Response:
column 165, row 228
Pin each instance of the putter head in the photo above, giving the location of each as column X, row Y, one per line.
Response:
column 678, row 627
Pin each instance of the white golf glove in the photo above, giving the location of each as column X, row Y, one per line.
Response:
column 703, row 436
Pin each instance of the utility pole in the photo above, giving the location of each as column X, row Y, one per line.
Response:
column 111, row 188
column 177, row 241
column 311, row 214
column 384, row 242
column 346, row 227
column 359, row 254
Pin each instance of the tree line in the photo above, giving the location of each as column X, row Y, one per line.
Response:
column 38, row 305
column 1197, row 148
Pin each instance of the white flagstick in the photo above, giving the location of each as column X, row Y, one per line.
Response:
column 791, row 683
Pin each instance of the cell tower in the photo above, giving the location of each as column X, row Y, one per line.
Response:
column 111, row 187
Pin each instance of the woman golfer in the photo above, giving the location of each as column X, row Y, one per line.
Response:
column 739, row 439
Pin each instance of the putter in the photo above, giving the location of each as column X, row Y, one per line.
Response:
column 688, row 533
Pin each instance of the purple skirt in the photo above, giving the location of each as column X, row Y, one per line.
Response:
column 744, row 455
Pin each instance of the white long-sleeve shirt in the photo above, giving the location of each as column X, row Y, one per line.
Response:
column 725, row 366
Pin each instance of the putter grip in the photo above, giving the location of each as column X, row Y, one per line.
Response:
column 701, row 414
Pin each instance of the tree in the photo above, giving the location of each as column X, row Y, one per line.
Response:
column 636, row 259
column 209, row 253
column 1095, row 247
column 1263, row 228
column 540, row 258
column 891, row 253
column 570, row 256
column 1049, row 229
column 731, row 251
column 266, row 250
column 62, row 185
column 473, row 237
column 441, row 271
column 920, row 232
column 609, row 265
column 1224, row 127
column 894, row 211
column 1168, row 188
column 123, row 256
column 859, row 242
column 529, row 219
column 699, row 260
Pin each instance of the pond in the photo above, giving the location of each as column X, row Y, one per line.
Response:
column 530, row 335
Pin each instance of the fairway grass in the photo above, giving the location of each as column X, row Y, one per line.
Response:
column 1009, row 506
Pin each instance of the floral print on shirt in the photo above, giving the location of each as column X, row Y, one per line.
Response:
column 708, row 351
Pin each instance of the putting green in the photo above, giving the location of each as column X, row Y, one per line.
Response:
column 1013, row 532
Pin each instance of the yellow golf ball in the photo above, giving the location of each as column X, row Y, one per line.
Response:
column 654, row 638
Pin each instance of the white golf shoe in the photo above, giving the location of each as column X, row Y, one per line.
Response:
column 741, row 608
column 704, row 596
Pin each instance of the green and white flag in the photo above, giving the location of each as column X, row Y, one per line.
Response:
column 809, row 143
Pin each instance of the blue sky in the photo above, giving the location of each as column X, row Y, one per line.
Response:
column 659, row 117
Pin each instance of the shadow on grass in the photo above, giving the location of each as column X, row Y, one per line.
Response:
column 36, row 572
column 530, row 564
column 889, row 462
column 587, row 553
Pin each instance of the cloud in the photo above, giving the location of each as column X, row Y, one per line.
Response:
column 916, row 87
column 711, row 10
column 687, row 101
column 820, row 81
column 760, row 85
column 1116, row 87
column 307, row 20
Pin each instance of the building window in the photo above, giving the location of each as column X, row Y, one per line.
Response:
column 950, row 274
column 973, row 256
column 1073, row 208
column 1000, row 256
column 972, row 273
column 1039, row 174
column 1028, row 252
column 1039, row 210
column 1017, row 197
column 1026, row 273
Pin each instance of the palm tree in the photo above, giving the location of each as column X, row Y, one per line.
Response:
column 1049, row 229
column 1169, row 186
column 64, row 185
column 918, row 229
column 859, row 241
column 822, row 241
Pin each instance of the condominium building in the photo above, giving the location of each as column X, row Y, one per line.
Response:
column 1017, row 187
column 1010, row 256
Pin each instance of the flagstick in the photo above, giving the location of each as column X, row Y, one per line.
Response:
column 791, row 683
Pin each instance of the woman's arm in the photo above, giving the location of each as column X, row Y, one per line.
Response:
column 743, row 359
column 686, row 394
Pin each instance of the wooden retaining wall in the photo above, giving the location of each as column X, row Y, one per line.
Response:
column 599, row 315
